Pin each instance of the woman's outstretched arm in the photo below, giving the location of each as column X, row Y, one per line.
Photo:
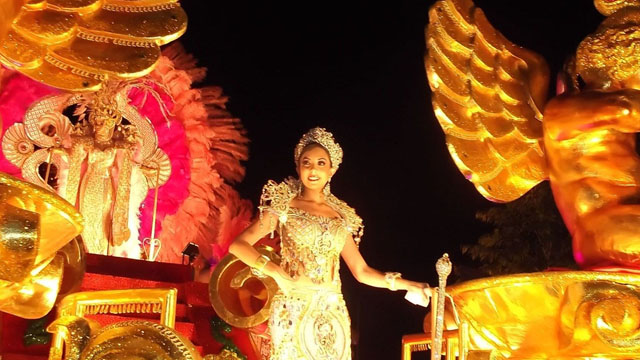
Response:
column 372, row 277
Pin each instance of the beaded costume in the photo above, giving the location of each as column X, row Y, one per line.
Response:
column 310, row 322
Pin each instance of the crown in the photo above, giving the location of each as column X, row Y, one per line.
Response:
column 323, row 138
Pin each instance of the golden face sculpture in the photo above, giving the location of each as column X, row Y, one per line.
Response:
column 104, row 118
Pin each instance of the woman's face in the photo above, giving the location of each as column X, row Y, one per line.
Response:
column 314, row 167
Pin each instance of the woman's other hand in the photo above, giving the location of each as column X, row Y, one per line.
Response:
column 418, row 293
column 282, row 278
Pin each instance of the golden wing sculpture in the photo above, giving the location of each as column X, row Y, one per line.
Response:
column 77, row 44
column 487, row 94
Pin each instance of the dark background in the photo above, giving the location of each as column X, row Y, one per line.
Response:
column 356, row 68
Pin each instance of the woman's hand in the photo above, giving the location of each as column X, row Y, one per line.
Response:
column 418, row 293
column 282, row 278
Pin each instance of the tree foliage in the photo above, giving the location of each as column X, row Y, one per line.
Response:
column 528, row 236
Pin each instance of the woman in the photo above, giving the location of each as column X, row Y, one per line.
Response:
column 308, row 317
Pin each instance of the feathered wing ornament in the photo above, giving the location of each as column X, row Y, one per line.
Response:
column 76, row 44
column 208, row 210
column 488, row 95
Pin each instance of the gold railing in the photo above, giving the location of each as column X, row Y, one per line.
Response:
column 137, row 301
column 455, row 343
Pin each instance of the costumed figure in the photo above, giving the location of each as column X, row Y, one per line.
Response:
column 308, row 317
column 103, row 166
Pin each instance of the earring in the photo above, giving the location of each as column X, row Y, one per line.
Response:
column 299, row 187
column 327, row 188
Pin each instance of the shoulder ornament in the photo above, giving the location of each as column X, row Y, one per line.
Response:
column 354, row 222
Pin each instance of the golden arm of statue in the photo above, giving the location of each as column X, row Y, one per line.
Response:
column 590, row 140
column 568, row 116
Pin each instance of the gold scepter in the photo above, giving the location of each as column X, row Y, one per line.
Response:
column 443, row 267
column 153, row 254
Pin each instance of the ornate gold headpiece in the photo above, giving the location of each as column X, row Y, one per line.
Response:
column 612, row 53
column 323, row 138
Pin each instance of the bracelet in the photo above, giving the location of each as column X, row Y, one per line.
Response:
column 390, row 278
column 259, row 265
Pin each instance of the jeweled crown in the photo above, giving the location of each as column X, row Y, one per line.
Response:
column 323, row 138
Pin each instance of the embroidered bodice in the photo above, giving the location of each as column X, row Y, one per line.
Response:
column 311, row 246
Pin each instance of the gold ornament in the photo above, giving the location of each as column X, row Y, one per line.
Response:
column 76, row 45
column 240, row 297
column 35, row 226
column 550, row 315
column 16, row 145
column 325, row 139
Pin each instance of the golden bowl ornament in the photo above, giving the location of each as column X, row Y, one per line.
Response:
column 239, row 297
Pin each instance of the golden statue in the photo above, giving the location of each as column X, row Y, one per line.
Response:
column 489, row 96
column 490, row 99
column 78, row 44
column 103, row 166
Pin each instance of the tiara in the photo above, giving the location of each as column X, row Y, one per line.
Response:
column 323, row 138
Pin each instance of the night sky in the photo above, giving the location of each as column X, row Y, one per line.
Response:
column 356, row 68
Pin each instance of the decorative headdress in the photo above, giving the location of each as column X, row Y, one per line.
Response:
column 612, row 53
column 323, row 138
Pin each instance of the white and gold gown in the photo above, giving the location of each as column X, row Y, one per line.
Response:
column 310, row 322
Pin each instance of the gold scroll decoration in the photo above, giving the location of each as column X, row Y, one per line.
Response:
column 240, row 298
column 76, row 44
column 36, row 227
column 552, row 315
column 487, row 95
